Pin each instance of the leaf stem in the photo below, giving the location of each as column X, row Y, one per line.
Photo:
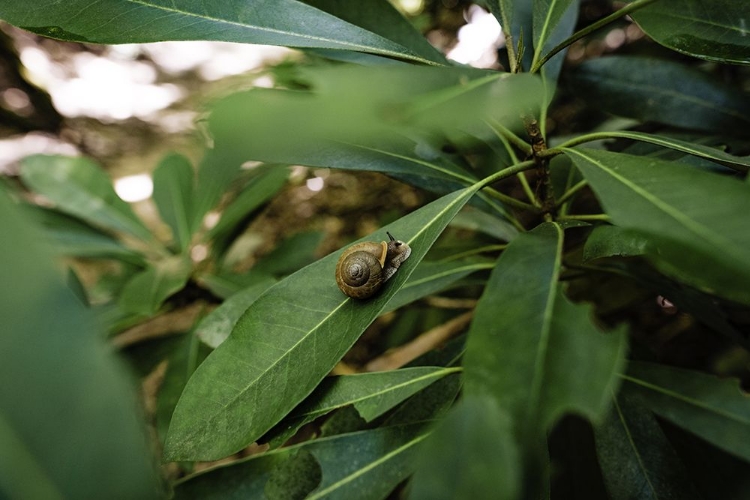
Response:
column 571, row 192
column 586, row 217
column 500, row 129
column 514, row 158
column 508, row 172
column 638, row 4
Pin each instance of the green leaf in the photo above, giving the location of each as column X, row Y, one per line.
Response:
column 663, row 91
column 713, row 409
column 542, row 356
column 432, row 277
column 517, row 20
column 182, row 362
column 69, row 424
column 288, row 340
column 146, row 291
column 362, row 118
column 382, row 19
column 609, row 241
column 173, row 194
column 77, row 186
column 636, row 459
column 279, row 22
column 694, row 219
column 741, row 163
column 366, row 465
column 471, row 454
column 715, row 31
column 476, row 220
column 372, row 394
column 216, row 327
column 258, row 191
column 553, row 22
column 72, row 237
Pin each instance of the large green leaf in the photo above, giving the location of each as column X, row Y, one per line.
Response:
column 714, row 409
column 717, row 30
column 366, row 465
column 636, row 458
column 694, row 148
column 471, row 454
column 79, row 187
column 383, row 19
column 608, row 241
column 369, row 118
column 173, row 195
column 69, row 425
column 542, row 356
column 663, row 91
column 73, row 237
column 371, row 394
column 432, row 277
column 554, row 21
column 272, row 22
column 695, row 219
column 287, row 341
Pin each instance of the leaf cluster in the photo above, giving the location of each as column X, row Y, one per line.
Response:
column 643, row 214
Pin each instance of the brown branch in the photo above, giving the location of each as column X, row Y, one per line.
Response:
column 398, row 357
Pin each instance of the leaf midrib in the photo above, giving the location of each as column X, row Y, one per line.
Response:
column 290, row 33
column 685, row 97
column 689, row 224
column 232, row 401
column 436, row 374
column 361, row 471
column 541, row 355
column 635, row 449
column 688, row 400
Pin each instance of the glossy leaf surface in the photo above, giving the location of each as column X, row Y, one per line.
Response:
column 287, row 341
column 716, row 31
column 279, row 22
column 432, row 277
column 663, row 91
column 636, row 458
column 716, row 410
column 371, row 394
column 542, row 356
column 702, row 222
column 367, row 464
column 694, row 148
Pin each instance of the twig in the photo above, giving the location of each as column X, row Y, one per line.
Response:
column 398, row 357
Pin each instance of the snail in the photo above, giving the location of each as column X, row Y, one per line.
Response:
column 363, row 268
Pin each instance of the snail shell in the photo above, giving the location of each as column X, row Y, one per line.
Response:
column 363, row 268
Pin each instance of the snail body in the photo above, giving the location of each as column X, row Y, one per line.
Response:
column 363, row 268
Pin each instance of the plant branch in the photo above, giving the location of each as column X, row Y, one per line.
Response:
column 638, row 4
